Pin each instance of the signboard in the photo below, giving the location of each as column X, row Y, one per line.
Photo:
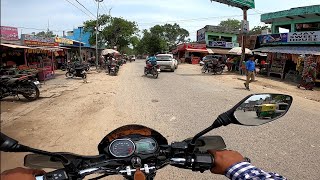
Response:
column 192, row 46
column 38, row 41
column 196, row 46
column 63, row 40
column 238, row 3
column 216, row 43
column 222, row 44
column 201, row 35
column 291, row 38
column 245, row 26
column 9, row 33
column 308, row 36
column 273, row 38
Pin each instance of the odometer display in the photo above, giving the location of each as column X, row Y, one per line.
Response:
column 122, row 148
column 146, row 146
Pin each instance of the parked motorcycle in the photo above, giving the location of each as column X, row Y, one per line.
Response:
column 76, row 72
column 10, row 86
column 113, row 69
column 136, row 152
column 152, row 69
column 211, row 67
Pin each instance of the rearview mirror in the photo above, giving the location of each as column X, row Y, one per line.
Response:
column 259, row 109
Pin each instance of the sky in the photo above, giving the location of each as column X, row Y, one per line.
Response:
column 59, row 15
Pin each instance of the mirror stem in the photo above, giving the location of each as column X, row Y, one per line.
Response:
column 222, row 120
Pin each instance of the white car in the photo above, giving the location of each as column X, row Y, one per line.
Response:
column 167, row 62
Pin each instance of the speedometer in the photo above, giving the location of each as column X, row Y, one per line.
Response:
column 122, row 148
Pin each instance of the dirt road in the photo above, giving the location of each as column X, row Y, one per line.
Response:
column 178, row 105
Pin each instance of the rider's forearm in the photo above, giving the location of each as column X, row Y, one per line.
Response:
column 245, row 170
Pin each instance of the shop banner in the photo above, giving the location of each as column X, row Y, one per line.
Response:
column 63, row 40
column 217, row 44
column 185, row 46
column 222, row 44
column 201, row 35
column 308, row 36
column 9, row 33
column 273, row 38
column 196, row 46
column 37, row 41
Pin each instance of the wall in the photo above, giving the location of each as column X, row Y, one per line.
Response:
column 233, row 36
column 275, row 30
column 84, row 38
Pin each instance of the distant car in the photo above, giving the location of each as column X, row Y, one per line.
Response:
column 133, row 57
column 167, row 62
column 209, row 57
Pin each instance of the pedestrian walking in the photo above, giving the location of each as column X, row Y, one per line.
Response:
column 250, row 71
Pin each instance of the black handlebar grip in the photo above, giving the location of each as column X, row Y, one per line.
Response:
column 203, row 162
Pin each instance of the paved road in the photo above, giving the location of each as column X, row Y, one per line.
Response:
column 178, row 105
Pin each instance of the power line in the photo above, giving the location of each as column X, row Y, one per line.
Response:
column 104, row 6
column 79, row 9
column 40, row 29
column 197, row 19
column 85, row 8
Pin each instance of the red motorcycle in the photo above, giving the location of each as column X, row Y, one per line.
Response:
column 152, row 69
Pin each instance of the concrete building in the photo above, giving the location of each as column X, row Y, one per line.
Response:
column 295, row 32
column 79, row 35
column 218, row 39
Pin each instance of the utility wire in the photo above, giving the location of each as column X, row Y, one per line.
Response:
column 40, row 29
column 196, row 19
column 85, row 8
column 80, row 9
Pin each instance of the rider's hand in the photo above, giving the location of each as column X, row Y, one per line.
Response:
column 224, row 159
column 21, row 173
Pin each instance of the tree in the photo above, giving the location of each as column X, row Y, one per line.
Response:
column 231, row 24
column 151, row 43
column 258, row 30
column 45, row 34
column 174, row 34
column 116, row 31
column 162, row 38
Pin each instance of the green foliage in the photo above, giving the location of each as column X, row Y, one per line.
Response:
column 161, row 38
column 116, row 31
column 230, row 24
column 45, row 34
column 258, row 30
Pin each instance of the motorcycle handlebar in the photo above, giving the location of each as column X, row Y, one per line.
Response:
column 198, row 162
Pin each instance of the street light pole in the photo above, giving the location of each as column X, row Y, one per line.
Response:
column 97, row 59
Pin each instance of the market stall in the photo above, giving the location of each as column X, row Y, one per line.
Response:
column 191, row 52
column 285, row 61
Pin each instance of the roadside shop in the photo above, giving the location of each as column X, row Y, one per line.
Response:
column 191, row 52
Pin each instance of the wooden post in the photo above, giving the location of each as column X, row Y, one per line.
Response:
column 25, row 57
column 243, row 46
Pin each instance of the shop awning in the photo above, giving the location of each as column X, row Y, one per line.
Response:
column 15, row 46
column 313, row 50
column 218, row 51
column 197, row 50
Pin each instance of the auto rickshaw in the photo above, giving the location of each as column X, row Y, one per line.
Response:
column 266, row 110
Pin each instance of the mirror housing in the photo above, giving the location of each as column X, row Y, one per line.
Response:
column 8, row 144
column 230, row 117
column 258, row 109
